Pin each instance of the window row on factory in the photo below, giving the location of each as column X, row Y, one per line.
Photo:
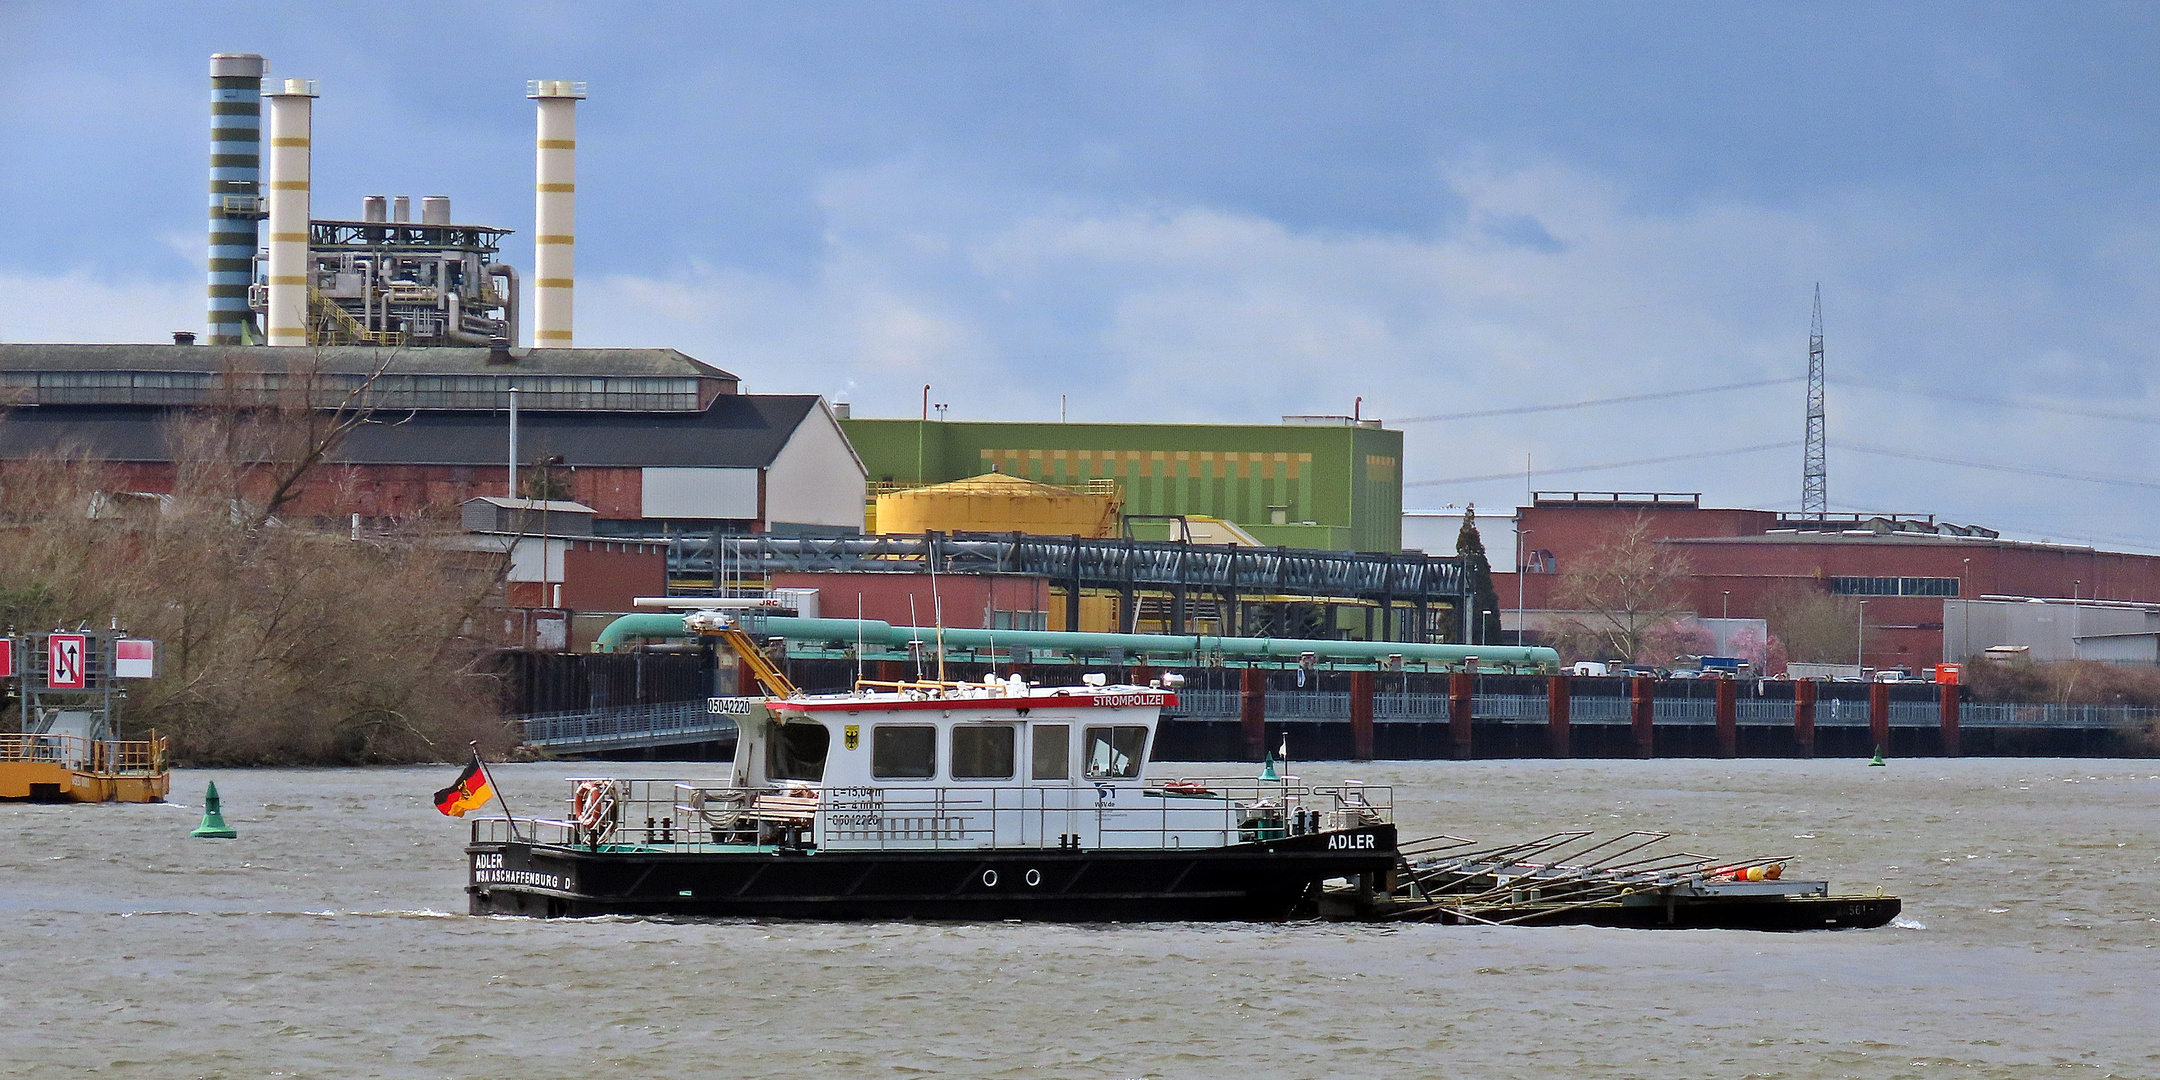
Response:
column 475, row 392
column 1894, row 586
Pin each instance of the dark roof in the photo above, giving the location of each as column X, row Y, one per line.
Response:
column 738, row 431
column 1873, row 539
column 355, row 359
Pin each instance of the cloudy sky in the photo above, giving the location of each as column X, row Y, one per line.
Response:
column 1232, row 211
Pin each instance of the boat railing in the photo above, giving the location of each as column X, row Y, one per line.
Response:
column 1193, row 811
column 98, row 757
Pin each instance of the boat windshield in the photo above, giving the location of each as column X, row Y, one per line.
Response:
column 797, row 752
column 1115, row 753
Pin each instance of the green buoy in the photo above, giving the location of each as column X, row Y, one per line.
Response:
column 1877, row 759
column 1267, row 771
column 213, row 825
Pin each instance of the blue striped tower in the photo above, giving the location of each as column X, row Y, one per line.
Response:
column 236, row 202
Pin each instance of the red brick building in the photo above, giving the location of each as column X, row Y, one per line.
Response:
column 1902, row 566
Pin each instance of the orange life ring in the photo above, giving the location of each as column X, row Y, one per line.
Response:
column 1185, row 787
column 590, row 806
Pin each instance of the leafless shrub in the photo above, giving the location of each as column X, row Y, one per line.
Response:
column 281, row 642
column 1623, row 591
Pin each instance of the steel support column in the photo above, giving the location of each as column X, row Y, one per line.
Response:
column 1728, row 718
column 1361, row 716
column 1252, row 712
column 1642, row 707
column 1948, row 699
column 1878, row 715
column 1559, row 700
column 1461, row 691
column 1803, row 717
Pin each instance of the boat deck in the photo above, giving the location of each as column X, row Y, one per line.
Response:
column 72, row 768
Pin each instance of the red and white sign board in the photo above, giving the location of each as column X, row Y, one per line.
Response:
column 134, row 658
column 7, row 658
column 69, row 656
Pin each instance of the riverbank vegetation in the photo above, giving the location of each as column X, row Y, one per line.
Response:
column 280, row 642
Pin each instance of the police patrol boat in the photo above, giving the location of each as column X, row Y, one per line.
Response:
column 932, row 799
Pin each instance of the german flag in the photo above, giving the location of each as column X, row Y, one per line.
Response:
column 471, row 792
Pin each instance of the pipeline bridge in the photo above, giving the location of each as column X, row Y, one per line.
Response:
column 1430, row 586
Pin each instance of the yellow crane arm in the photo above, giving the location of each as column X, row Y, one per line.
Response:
column 769, row 676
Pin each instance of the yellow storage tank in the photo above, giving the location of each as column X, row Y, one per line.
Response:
column 995, row 502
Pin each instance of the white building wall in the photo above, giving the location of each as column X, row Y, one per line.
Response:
column 816, row 480
column 2051, row 630
column 534, row 559
column 1433, row 532
column 700, row 493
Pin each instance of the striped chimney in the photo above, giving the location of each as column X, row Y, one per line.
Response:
column 554, row 210
column 292, row 121
column 235, row 190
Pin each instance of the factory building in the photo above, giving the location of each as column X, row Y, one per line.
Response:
column 1904, row 567
column 653, row 441
column 383, row 278
column 1331, row 483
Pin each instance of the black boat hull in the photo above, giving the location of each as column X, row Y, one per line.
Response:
column 1271, row 880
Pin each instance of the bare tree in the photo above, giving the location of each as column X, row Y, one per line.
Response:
column 1621, row 591
column 266, row 433
column 282, row 642
column 1817, row 626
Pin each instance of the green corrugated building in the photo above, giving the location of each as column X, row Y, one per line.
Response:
column 1326, row 482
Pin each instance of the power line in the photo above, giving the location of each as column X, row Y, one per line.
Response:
column 1611, row 465
column 1522, row 409
column 2021, row 470
column 2003, row 403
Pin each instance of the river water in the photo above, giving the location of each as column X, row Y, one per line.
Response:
column 329, row 940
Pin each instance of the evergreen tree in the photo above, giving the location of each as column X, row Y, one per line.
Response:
column 1471, row 548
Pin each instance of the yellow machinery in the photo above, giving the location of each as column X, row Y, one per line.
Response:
column 66, row 746
column 995, row 502
column 718, row 624
column 71, row 768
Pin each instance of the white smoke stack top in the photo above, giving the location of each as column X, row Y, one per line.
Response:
column 554, row 210
column 292, row 122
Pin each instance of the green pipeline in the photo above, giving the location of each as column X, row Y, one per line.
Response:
column 874, row 633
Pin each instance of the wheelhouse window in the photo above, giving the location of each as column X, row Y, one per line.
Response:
column 1115, row 753
column 982, row 752
column 1053, row 752
column 797, row 752
column 903, row 753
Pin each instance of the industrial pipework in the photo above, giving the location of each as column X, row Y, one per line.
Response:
column 292, row 121
column 554, row 210
column 873, row 632
column 236, row 201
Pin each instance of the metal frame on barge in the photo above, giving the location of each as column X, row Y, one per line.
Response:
column 926, row 800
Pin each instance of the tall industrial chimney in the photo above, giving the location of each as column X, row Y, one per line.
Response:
column 292, row 122
column 235, row 189
column 554, row 210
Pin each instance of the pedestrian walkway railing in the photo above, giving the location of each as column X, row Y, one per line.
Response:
column 1306, row 706
column 2007, row 714
column 667, row 724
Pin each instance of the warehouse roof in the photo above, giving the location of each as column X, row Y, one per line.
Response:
column 736, row 431
column 357, row 360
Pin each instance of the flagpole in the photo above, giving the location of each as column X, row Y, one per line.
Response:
column 497, row 788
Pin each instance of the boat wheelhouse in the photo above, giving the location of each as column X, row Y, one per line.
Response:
column 1001, row 799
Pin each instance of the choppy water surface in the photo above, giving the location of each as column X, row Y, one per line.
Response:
column 327, row 941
